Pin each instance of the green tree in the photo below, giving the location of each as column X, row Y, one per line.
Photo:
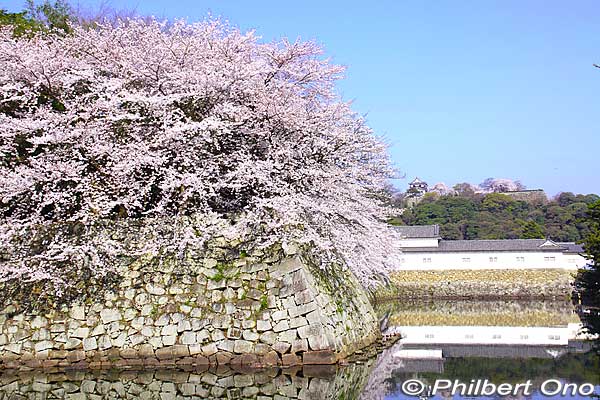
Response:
column 499, row 216
column 497, row 202
column 55, row 17
column 530, row 230
column 21, row 22
column 588, row 279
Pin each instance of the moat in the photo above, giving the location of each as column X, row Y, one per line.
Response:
column 501, row 341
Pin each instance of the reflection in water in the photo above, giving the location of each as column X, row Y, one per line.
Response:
column 326, row 382
column 455, row 340
column 502, row 341
column 587, row 296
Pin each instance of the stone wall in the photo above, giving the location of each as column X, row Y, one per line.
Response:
column 218, row 306
column 508, row 283
column 537, row 196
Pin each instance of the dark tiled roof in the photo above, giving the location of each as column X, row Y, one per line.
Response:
column 572, row 247
column 495, row 245
column 419, row 231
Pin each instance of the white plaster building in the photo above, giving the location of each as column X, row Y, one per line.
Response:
column 424, row 249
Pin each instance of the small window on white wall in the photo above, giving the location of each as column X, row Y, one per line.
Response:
column 466, row 259
column 426, row 260
column 550, row 259
column 493, row 259
column 520, row 259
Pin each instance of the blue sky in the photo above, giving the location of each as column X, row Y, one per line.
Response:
column 462, row 90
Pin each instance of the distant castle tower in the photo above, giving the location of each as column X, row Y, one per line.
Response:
column 416, row 190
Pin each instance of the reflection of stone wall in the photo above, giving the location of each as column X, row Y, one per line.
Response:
column 478, row 313
column 481, row 283
column 270, row 307
column 308, row 383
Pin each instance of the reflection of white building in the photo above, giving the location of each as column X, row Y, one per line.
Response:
column 489, row 335
column 424, row 249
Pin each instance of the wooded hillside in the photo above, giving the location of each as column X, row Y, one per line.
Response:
column 498, row 216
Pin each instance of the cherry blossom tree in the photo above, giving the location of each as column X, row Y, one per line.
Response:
column 148, row 120
column 500, row 185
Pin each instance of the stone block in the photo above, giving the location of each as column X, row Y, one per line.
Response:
column 136, row 339
column 39, row 322
column 243, row 380
column 226, row 345
column 57, row 328
column 164, row 353
column 321, row 357
column 72, row 343
column 234, row 333
column 281, row 347
column 318, row 342
column 310, row 330
column 80, row 333
column 163, row 320
column 303, row 297
column 262, row 325
column 109, row 315
column 90, row 344
column 261, row 348
column 223, row 358
column 248, row 324
column 286, row 266
column 200, row 360
column 290, row 360
column 282, row 325
column 155, row 289
column 302, row 309
column 169, row 340
column 188, row 338
column 77, row 312
column 250, row 335
column 268, row 337
column 120, row 340
column 155, row 341
column 298, row 322
column 180, row 351
column 98, row 330
column 288, row 336
column 299, row 345
column 168, row 330
column 243, row 347
column 271, row 359
column 129, row 353
column 146, row 351
column 217, row 335
column 104, row 342
column 209, row 349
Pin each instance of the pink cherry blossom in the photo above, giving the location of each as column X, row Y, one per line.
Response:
column 145, row 119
